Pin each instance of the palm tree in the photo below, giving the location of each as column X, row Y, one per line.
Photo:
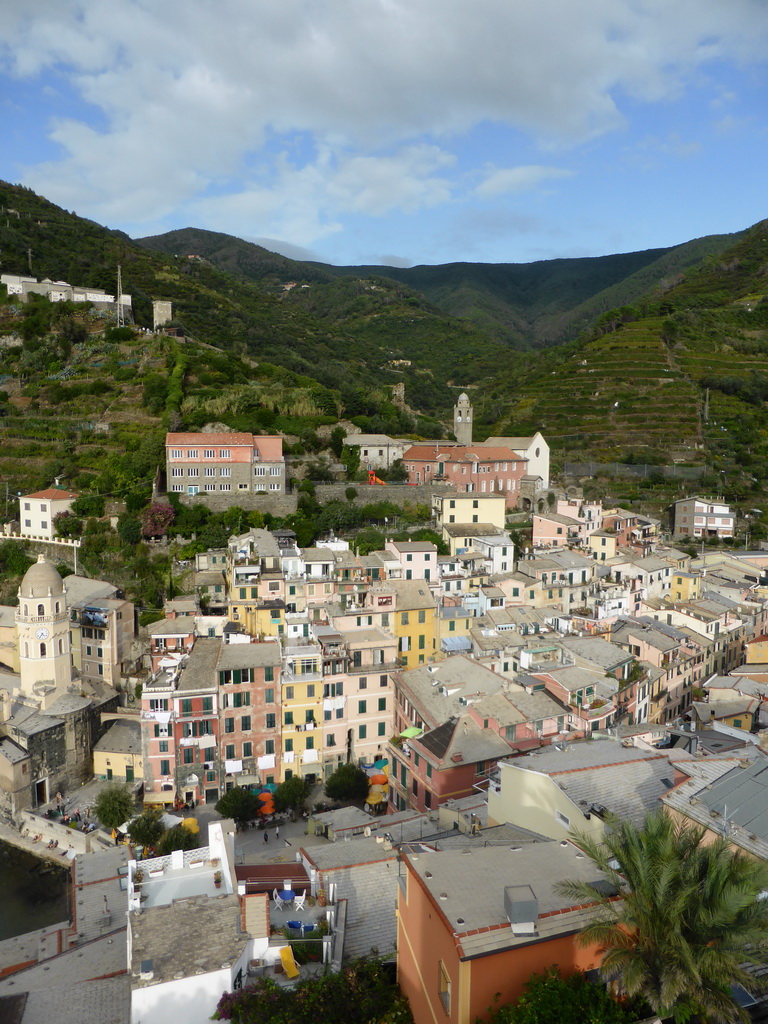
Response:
column 690, row 921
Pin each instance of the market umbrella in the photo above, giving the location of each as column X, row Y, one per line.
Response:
column 374, row 798
column 411, row 731
column 191, row 825
column 379, row 780
column 376, row 790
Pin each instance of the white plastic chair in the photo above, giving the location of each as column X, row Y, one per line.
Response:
column 298, row 903
column 277, row 902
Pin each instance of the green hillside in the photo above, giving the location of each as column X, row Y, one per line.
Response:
column 522, row 305
column 683, row 374
column 676, row 367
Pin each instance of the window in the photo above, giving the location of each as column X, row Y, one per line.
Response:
column 404, row 619
column 165, row 767
column 208, row 704
column 362, row 732
column 422, row 616
column 186, row 707
column 176, row 453
column 269, row 746
column 269, row 677
column 289, row 693
column 310, row 743
column 209, row 453
column 383, row 680
column 561, row 819
column 229, row 725
column 248, row 749
column 363, row 682
column 289, row 718
column 444, row 988
column 192, row 454
column 382, row 729
column 330, row 740
column 288, row 746
column 229, row 751
column 382, row 703
column 162, row 746
column 224, row 453
column 245, row 723
column 189, row 755
column 274, row 471
column 362, row 707
column 269, row 695
column 311, row 690
column 260, row 471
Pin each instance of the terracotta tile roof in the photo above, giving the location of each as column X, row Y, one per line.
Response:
column 201, row 439
column 52, row 493
column 476, row 453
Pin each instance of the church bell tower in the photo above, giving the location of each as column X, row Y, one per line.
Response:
column 42, row 628
column 462, row 419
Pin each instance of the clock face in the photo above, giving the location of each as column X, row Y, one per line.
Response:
column 42, row 633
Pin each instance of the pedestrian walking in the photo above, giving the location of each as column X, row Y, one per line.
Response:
column 277, row 831
column 266, row 836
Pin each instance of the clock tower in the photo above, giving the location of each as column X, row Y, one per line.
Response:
column 462, row 419
column 42, row 628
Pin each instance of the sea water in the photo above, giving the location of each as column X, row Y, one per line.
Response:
column 34, row 892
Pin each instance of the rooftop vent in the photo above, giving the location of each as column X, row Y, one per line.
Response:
column 147, row 970
column 521, row 908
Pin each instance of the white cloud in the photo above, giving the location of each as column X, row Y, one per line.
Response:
column 190, row 99
column 501, row 181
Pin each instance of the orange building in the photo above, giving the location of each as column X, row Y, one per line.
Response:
column 479, row 921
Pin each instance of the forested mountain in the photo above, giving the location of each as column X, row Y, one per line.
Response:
column 525, row 305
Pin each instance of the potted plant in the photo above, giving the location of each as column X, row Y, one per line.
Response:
column 217, row 879
column 138, row 877
column 322, row 898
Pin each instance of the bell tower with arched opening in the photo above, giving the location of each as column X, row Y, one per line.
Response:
column 42, row 628
column 462, row 419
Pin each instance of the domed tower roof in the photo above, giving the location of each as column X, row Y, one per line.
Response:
column 463, row 397
column 41, row 580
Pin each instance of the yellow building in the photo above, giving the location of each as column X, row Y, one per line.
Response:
column 414, row 622
column 302, row 710
column 117, row 755
column 602, row 545
column 686, row 586
column 469, row 508
column 756, row 651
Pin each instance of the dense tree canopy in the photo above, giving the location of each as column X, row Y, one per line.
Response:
column 552, row 999
column 239, row 804
column 114, row 806
column 348, row 782
column 291, row 794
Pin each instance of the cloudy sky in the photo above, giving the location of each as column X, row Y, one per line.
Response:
column 394, row 131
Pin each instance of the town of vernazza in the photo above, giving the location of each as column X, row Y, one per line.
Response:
column 384, row 560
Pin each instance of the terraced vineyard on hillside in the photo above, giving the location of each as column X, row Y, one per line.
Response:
column 625, row 387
